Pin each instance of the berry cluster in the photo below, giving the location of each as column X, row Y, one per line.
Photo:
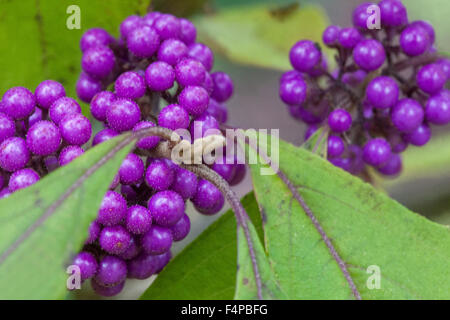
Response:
column 160, row 76
column 39, row 132
column 388, row 89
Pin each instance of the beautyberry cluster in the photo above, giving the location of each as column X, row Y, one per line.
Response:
column 160, row 76
column 387, row 91
column 39, row 132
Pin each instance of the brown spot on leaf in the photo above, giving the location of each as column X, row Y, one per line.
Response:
column 245, row 281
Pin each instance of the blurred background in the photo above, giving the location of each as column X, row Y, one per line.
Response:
column 251, row 40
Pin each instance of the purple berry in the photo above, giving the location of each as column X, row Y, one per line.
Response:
column 98, row 62
column 123, row 115
column 437, row 109
column 330, row 35
column 202, row 53
column 425, row 26
column 414, row 41
column 393, row 13
column 172, row 51
column 225, row 167
column 340, row 120
column 87, row 263
column 392, row 167
column 138, row 220
column 223, row 86
column 376, row 152
column 62, row 107
column 159, row 76
column 101, row 102
column 147, row 142
column 445, row 65
column 310, row 131
column 360, row 15
column 18, row 103
column 68, row 154
column 173, row 117
column 114, row 239
column 22, row 178
column 382, row 92
column 349, row 37
column 203, row 126
column 208, row 200
column 188, row 33
column 293, row 92
column 431, row 78
column 184, row 183
column 420, row 136
column 217, row 110
column 166, row 207
column 112, row 210
column 181, row 229
column 335, row 146
column 129, row 24
column 407, row 115
column 132, row 251
column 47, row 92
column 7, row 127
column 34, row 118
column 194, row 99
column 167, row 26
column 190, row 72
column 129, row 85
column 159, row 175
column 108, row 291
column 143, row 266
column 369, row 54
column 87, row 87
column 304, row 55
column 75, row 129
column 93, row 38
column 111, row 270
column 131, row 170
column 93, row 232
column 157, row 240
column 143, row 41
column 104, row 135
column 43, row 138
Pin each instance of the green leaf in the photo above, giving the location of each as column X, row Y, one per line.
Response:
column 42, row 227
column 318, row 142
column 39, row 44
column 366, row 227
column 260, row 35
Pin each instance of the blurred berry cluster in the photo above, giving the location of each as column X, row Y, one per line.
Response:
column 387, row 90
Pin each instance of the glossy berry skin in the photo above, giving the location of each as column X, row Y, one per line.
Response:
column 167, row 26
column 289, row 75
column 407, row 115
column 22, row 178
column 123, row 115
column 420, row 136
column 34, row 118
column 382, row 92
column 188, row 32
column 217, row 110
column 304, row 55
column 208, row 200
column 103, row 135
column 184, row 183
column 114, row 239
column 108, row 291
column 18, row 103
column 98, row 62
column 157, row 240
column 223, row 86
column 431, row 78
column 336, row 146
column 339, row 120
column 75, row 129
column 143, row 266
column 62, row 107
column 111, row 270
column 369, row 54
column 393, row 13
column 129, row 85
column 138, row 220
column 131, row 170
column 147, row 142
column 132, row 251
column 7, row 127
column 190, row 72
column 101, row 102
column 414, row 41
column 87, row 87
column 376, row 152
column 203, row 126
column 129, row 24
column 112, row 210
column 425, row 26
column 360, row 15
column 159, row 176
column 166, row 207
column 293, row 92
column 445, row 66
column 172, row 51
column 94, row 37
column 43, row 138
column 349, row 37
column 437, row 109
column 226, row 169
column 87, row 263
column 194, row 100
column 173, row 117
column 330, row 35
column 159, row 76
column 181, row 229
column 47, row 92
column 202, row 53
column 392, row 167
column 68, row 154
column 93, row 232
column 143, row 41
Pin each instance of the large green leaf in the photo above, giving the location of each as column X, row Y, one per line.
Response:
column 366, row 227
column 261, row 35
column 43, row 226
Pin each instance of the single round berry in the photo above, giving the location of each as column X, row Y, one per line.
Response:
column 18, row 103
column 138, row 220
column 75, row 129
column 108, row 291
column 173, row 117
column 93, row 232
column 111, row 270
column 217, row 110
column 203, row 126
column 194, row 99
column 420, row 136
column 208, row 84
column 129, row 85
column 47, row 92
column 166, row 207
column 147, row 142
column 223, row 86
column 87, row 87
column 304, row 55
column 131, row 170
column 392, row 167
column 51, row 163
column 93, row 38
column 129, row 24
column 162, row 260
column 360, row 15
column 431, row 78
column 34, row 118
column 7, row 127
column 336, row 146
column 349, row 37
column 208, row 200
column 22, row 178
column 369, row 54
column 340, row 120
column 425, row 26
column 330, row 35
column 123, row 115
column 132, row 251
column 181, row 229
column 87, row 263
column 376, row 152
column 159, row 76
column 225, row 167
column 112, row 210
column 98, row 62
column 68, row 154
column 172, row 51
column 293, row 92
column 157, row 240
column 143, row 41
column 114, row 239
column 159, row 175
column 188, row 32
column 414, row 41
column 202, row 53
column 143, row 266
column 190, row 72
column 407, row 115
column 184, row 183
column 104, row 135
column 290, row 75
column 167, row 26
column 393, row 13
column 382, row 92
column 62, row 107
column 437, row 109
column 43, row 138
column 101, row 102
